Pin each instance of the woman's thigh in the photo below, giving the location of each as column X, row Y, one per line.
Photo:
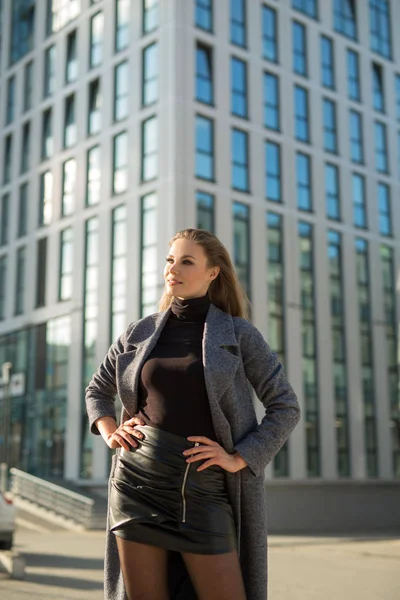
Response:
column 216, row 576
column 144, row 569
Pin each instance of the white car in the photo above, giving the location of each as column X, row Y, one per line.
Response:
column 7, row 522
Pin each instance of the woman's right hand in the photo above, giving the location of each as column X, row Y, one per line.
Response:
column 122, row 436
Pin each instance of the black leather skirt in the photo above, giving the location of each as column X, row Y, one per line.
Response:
column 157, row 498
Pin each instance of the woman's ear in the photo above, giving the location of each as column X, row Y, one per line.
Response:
column 215, row 272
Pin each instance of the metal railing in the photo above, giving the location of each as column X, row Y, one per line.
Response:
column 53, row 497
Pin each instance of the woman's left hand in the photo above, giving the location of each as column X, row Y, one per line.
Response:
column 213, row 454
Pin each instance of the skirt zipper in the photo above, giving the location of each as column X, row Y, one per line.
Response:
column 183, row 489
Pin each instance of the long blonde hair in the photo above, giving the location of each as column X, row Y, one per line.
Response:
column 225, row 291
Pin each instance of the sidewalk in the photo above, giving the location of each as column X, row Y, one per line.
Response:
column 69, row 565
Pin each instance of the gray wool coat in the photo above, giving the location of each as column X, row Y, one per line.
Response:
column 234, row 355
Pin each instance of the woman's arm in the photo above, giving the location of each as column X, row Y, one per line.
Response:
column 282, row 411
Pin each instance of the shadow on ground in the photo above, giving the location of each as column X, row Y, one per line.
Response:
column 61, row 561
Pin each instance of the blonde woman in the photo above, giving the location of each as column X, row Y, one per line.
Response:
column 187, row 516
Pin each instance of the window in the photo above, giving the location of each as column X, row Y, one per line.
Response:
column 238, row 22
column 204, row 74
column 344, row 17
column 22, row 28
column 4, row 225
column 239, row 87
column 120, row 178
column 149, row 149
column 150, row 75
column 309, row 347
column 121, row 91
column 41, row 272
column 271, row 101
column 66, row 264
column 20, row 281
column 25, row 150
column 269, row 34
column 299, row 48
column 93, row 177
column 28, row 85
column 356, row 137
column 96, row 39
column 46, row 198
column 366, row 345
column 94, row 117
column 118, row 271
column 23, row 210
column 203, row 14
column 150, row 15
column 332, row 197
column 49, row 71
column 90, row 325
column 71, row 66
column 205, row 211
column 308, row 7
column 204, row 148
column 381, row 157
column 379, row 26
column 276, row 305
column 3, row 285
column 10, row 100
column 353, row 75
column 359, row 209
column 327, row 63
column 241, row 244
column 377, row 87
column 69, row 183
column 7, row 160
column 302, row 130
column 330, row 134
column 60, row 13
column 338, row 328
column 70, row 130
column 303, row 174
column 47, row 134
column 397, row 92
column 273, row 172
column 385, row 225
column 240, row 160
column 149, row 243
column 122, row 24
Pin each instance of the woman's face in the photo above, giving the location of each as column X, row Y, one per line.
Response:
column 186, row 273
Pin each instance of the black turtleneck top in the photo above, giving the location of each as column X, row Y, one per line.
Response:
column 172, row 394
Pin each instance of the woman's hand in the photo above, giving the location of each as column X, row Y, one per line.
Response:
column 213, row 454
column 121, row 437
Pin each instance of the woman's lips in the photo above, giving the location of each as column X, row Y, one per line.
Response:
column 174, row 282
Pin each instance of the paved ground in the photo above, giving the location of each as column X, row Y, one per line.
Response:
column 68, row 565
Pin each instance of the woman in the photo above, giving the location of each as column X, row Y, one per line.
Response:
column 186, row 512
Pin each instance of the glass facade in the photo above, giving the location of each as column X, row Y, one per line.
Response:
column 204, row 14
column 22, row 28
column 46, row 198
column 366, row 350
column 385, row 219
column 69, row 184
column 353, row 76
column 28, row 85
column 381, row 156
column 271, row 101
column 150, row 275
column 338, row 329
column 122, row 22
column 241, row 244
column 309, row 349
column 47, row 134
column 330, row 133
column 3, row 285
column 359, row 206
column 70, row 127
column 239, row 87
column 379, row 26
column 149, row 169
column 71, row 65
column 303, row 173
column 269, row 34
column 205, row 204
column 301, row 116
column 66, row 264
column 378, row 88
column 150, row 15
column 327, row 63
column 96, row 40
column 94, row 112
column 90, row 330
column 332, row 193
column 10, row 113
column 7, row 159
column 5, row 218
column 273, row 186
column 308, row 7
column 119, row 271
column 299, row 48
column 60, row 13
column 356, row 137
column 276, row 311
column 41, row 272
column 22, row 227
column 20, row 281
column 121, row 91
column 150, row 75
column 345, row 17
column 389, row 301
column 49, row 71
column 204, row 74
column 238, row 22
column 93, row 176
column 120, row 162
column 204, row 166
column 240, row 160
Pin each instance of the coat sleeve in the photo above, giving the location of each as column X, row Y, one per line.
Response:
column 282, row 411
column 101, row 391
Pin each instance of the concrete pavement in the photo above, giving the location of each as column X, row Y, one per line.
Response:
column 69, row 565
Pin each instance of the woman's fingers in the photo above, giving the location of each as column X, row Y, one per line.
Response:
column 134, row 421
column 202, row 439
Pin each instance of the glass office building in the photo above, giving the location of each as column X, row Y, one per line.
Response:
column 274, row 124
